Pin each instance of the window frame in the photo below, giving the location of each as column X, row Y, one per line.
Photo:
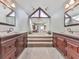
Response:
column 39, row 9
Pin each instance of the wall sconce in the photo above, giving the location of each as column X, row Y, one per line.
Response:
column 46, row 8
column 33, row 8
column 4, row 7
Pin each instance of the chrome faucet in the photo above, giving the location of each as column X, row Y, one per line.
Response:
column 69, row 30
column 10, row 30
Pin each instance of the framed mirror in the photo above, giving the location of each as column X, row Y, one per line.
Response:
column 71, row 17
column 7, row 15
column 11, row 18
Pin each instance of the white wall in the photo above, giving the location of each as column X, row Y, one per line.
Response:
column 56, row 23
column 4, row 28
column 22, row 24
column 57, row 20
column 54, row 9
column 3, row 12
column 73, row 28
column 21, row 20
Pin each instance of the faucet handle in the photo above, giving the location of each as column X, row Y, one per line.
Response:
column 69, row 29
column 10, row 30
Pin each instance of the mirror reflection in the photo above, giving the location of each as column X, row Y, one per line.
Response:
column 72, row 14
column 7, row 13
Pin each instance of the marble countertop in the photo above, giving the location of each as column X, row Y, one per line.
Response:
column 71, row 35
column 5, row 34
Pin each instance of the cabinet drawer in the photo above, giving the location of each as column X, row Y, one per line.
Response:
column 8, row 42
column 69, row 55
column 11, row 56
column 10, row 53
column 72, row 54
column 7, row 46
column 60, row 38
column 72, row 46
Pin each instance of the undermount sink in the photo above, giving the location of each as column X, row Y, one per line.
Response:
column 2, row 34
column 75, row 34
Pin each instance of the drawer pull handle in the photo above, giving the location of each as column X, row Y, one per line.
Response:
column 72, row 47
column 10, row 46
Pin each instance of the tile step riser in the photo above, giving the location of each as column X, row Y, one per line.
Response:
column 39, row 45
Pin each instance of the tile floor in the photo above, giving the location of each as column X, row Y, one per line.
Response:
column 41, row 53
column 43, row 34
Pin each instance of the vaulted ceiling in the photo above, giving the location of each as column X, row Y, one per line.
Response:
column 50, row 6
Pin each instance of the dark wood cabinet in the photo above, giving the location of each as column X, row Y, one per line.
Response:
column 60, row 43
column 68, row 45
column 12, row 46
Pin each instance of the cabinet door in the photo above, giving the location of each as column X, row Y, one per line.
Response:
column 8, row 46
column 10, row 56
column 72, row 45
column 54, row 41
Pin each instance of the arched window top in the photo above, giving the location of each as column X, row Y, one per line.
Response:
column 39, row 13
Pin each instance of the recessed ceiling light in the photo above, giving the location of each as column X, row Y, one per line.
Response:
column 67, row 5
column 72, row 2
column 13, row 5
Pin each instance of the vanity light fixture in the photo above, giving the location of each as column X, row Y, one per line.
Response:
column 46, row 8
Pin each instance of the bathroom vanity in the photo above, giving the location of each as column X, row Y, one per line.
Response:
column 67, row 44
column 12, row 45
